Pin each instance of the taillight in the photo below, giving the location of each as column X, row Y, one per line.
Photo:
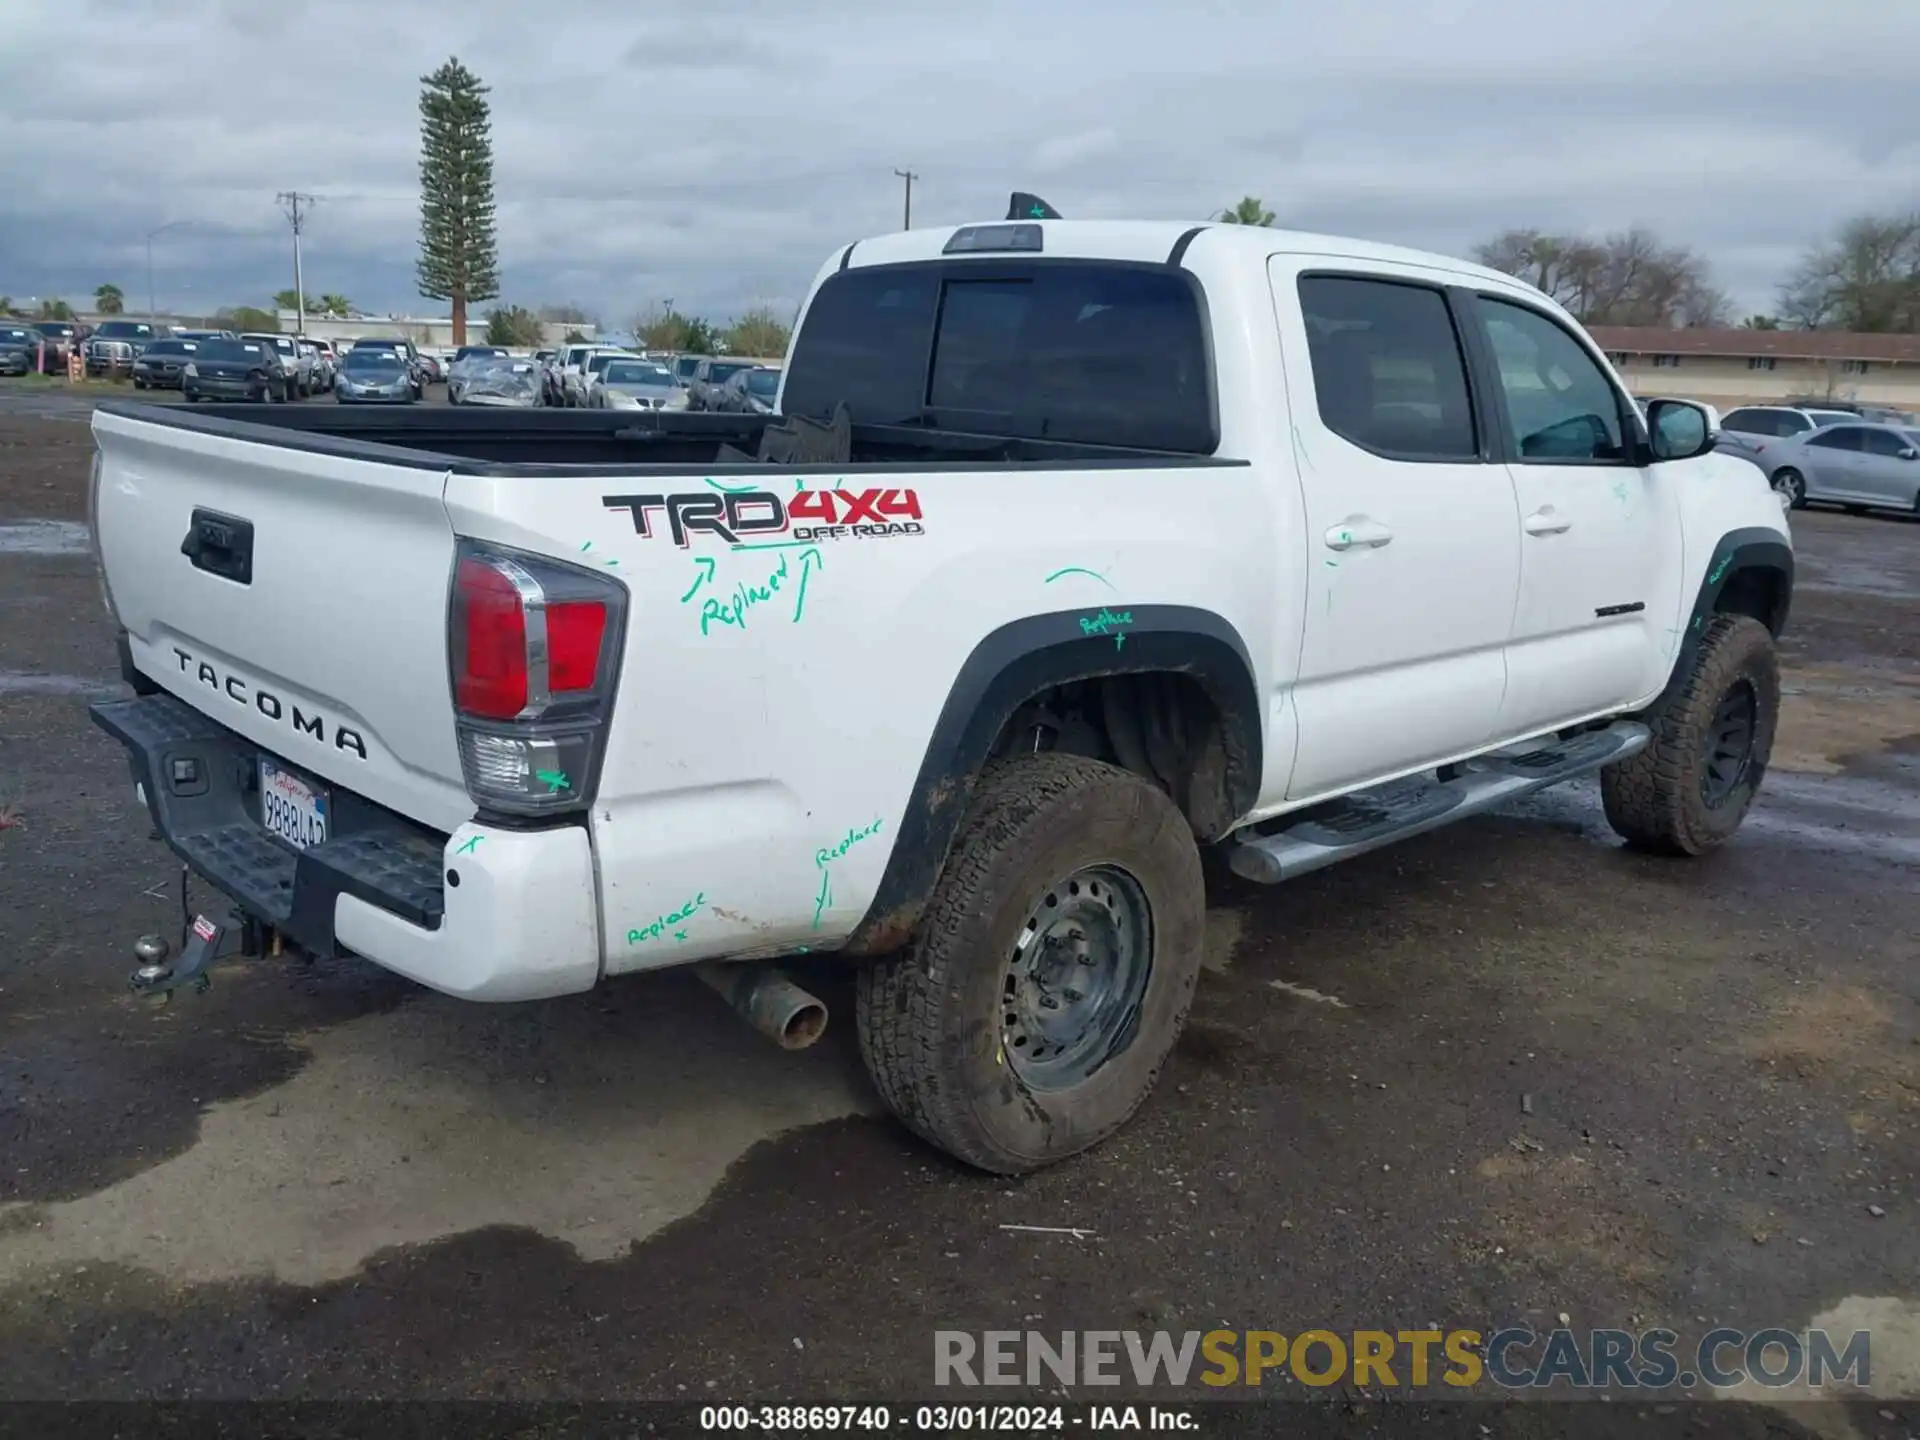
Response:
column 534, row 646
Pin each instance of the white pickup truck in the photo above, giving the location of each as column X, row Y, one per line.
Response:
column 1076, row 546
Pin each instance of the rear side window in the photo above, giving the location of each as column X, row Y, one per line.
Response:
column 1387, row 369
column 1748, row 422
column 1100, row 354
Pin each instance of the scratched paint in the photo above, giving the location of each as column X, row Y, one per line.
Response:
column 672, row 923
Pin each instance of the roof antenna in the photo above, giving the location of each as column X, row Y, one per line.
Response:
column 1030, row 207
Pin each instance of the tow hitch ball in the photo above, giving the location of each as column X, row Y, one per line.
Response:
column 158, row 977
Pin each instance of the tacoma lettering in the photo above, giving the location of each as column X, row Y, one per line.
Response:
column 343, row 737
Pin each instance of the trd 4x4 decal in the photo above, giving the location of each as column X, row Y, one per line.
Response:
column 734, row 516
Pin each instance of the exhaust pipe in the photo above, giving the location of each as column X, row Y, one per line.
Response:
column 768, row 1001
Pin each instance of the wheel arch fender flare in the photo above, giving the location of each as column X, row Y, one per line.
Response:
column 1025, row 658
column 1750, row 573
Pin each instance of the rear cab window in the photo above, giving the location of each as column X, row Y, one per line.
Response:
column 1092, row 352
column 1388, row 371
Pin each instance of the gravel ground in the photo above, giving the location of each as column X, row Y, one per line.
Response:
column 1498, row 1074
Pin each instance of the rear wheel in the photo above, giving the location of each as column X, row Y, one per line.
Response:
column 1792, row 484
column 1688, row 791
column 1051, row 973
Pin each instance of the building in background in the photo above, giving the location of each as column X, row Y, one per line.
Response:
column 428, row 332
column 1765, row 367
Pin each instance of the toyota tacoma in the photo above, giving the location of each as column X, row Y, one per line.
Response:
column 1072, row 547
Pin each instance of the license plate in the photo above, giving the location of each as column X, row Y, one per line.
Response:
column 292, row 807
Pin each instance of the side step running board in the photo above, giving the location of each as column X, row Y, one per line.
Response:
column 1369, row 819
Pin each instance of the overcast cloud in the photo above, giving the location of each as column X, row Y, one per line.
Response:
column 713, row 153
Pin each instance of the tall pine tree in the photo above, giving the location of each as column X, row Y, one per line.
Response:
column 459, row 258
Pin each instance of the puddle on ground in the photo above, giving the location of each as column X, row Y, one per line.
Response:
column 43, row 537
column 22, row 682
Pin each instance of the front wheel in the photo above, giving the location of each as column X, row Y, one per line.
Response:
column 1688, row 791
column 1051, row 973
column 1792, row 484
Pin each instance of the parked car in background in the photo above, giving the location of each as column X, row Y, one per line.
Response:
column 503, row 379
column 180, row 334
column 298, row 366
column 466, row 363
column 1855, row 464
column 115, row 345
column 163, row 365
column 750, row 392
column 244, row 369
column 326, row 363
column 433, row 367
column 409, row 356
column 375, row 375
column 61, row 337
column 1753, row 430
column 634, row 384
column 684, row 366
column 19, row 348
column 710, row 377
column 576, row 380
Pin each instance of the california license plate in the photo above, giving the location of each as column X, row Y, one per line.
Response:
column 292, row 807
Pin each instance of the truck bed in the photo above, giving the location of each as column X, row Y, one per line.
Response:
column 492, row 441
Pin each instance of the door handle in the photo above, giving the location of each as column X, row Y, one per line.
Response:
column 1358, row 530
column 1545, row 522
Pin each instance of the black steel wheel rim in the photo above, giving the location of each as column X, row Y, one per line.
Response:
column 1730, row 738
column 1074, row 979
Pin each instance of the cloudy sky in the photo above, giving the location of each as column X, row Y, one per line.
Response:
column 713, row 152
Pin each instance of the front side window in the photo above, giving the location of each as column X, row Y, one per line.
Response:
column 1560, row 403
column 1882, row 442
column 1388, row 373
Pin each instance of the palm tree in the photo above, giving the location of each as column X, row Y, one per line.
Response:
column 1250, row 211
column 336, row 305
column 109, row 300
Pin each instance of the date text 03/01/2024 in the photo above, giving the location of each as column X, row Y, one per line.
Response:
column 940, row 1419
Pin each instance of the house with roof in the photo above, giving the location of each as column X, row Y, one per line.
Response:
column 1765, row 367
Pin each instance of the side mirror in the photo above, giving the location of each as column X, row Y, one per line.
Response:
column 1909, row 453
column 1680, row 430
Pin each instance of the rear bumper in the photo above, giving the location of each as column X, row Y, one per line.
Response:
column 483, row 914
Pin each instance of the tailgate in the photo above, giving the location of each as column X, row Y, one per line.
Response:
column 322, row 634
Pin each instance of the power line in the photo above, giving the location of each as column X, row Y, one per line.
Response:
column 906, row 221
column 291, row 201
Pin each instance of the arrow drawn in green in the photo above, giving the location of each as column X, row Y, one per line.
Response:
column 809, row 560
column 468, row 847
column 706, row 574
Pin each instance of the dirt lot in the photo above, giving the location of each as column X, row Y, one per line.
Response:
column 1500, row 1074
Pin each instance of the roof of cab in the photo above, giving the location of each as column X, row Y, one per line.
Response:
column 1154, row 240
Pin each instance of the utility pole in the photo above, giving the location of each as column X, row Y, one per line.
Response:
column 291, row 201
column 906, row 221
